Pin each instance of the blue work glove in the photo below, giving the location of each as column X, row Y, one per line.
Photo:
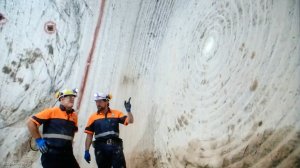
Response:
column 87, row 156
column 127, row 105
column 41, row 143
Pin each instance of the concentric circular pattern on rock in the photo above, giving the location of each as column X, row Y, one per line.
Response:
column 234, row 100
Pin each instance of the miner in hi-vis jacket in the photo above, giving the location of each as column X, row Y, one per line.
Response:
column 59, row 127
column 104, row 125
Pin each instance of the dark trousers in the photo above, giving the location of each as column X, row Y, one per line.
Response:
column 57, row 159
column 108, row 155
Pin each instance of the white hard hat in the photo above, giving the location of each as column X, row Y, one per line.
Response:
column 102, row 96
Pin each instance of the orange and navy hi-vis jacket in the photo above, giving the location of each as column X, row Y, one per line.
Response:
column 106, row 126
column 58, row 126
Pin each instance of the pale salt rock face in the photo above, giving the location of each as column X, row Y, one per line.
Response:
column 213, row 83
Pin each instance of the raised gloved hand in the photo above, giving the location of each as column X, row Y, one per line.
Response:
column 41, row 143
column 127, row 105
column 87, row 156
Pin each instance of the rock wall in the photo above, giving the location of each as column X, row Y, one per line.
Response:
column 213, row 83
column 37, row 60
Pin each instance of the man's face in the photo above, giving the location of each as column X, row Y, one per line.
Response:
column 67, row 101
column 101, row 104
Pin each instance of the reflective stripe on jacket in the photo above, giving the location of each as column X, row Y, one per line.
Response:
column 58, row 126
column 106, row 126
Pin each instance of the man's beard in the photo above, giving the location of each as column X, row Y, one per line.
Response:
column 100, row 108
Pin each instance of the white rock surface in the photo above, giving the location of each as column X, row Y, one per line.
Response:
column 213, row 83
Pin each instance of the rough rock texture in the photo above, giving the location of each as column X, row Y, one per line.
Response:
column 213, row 83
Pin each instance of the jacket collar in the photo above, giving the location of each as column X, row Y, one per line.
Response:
column 63, row 108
